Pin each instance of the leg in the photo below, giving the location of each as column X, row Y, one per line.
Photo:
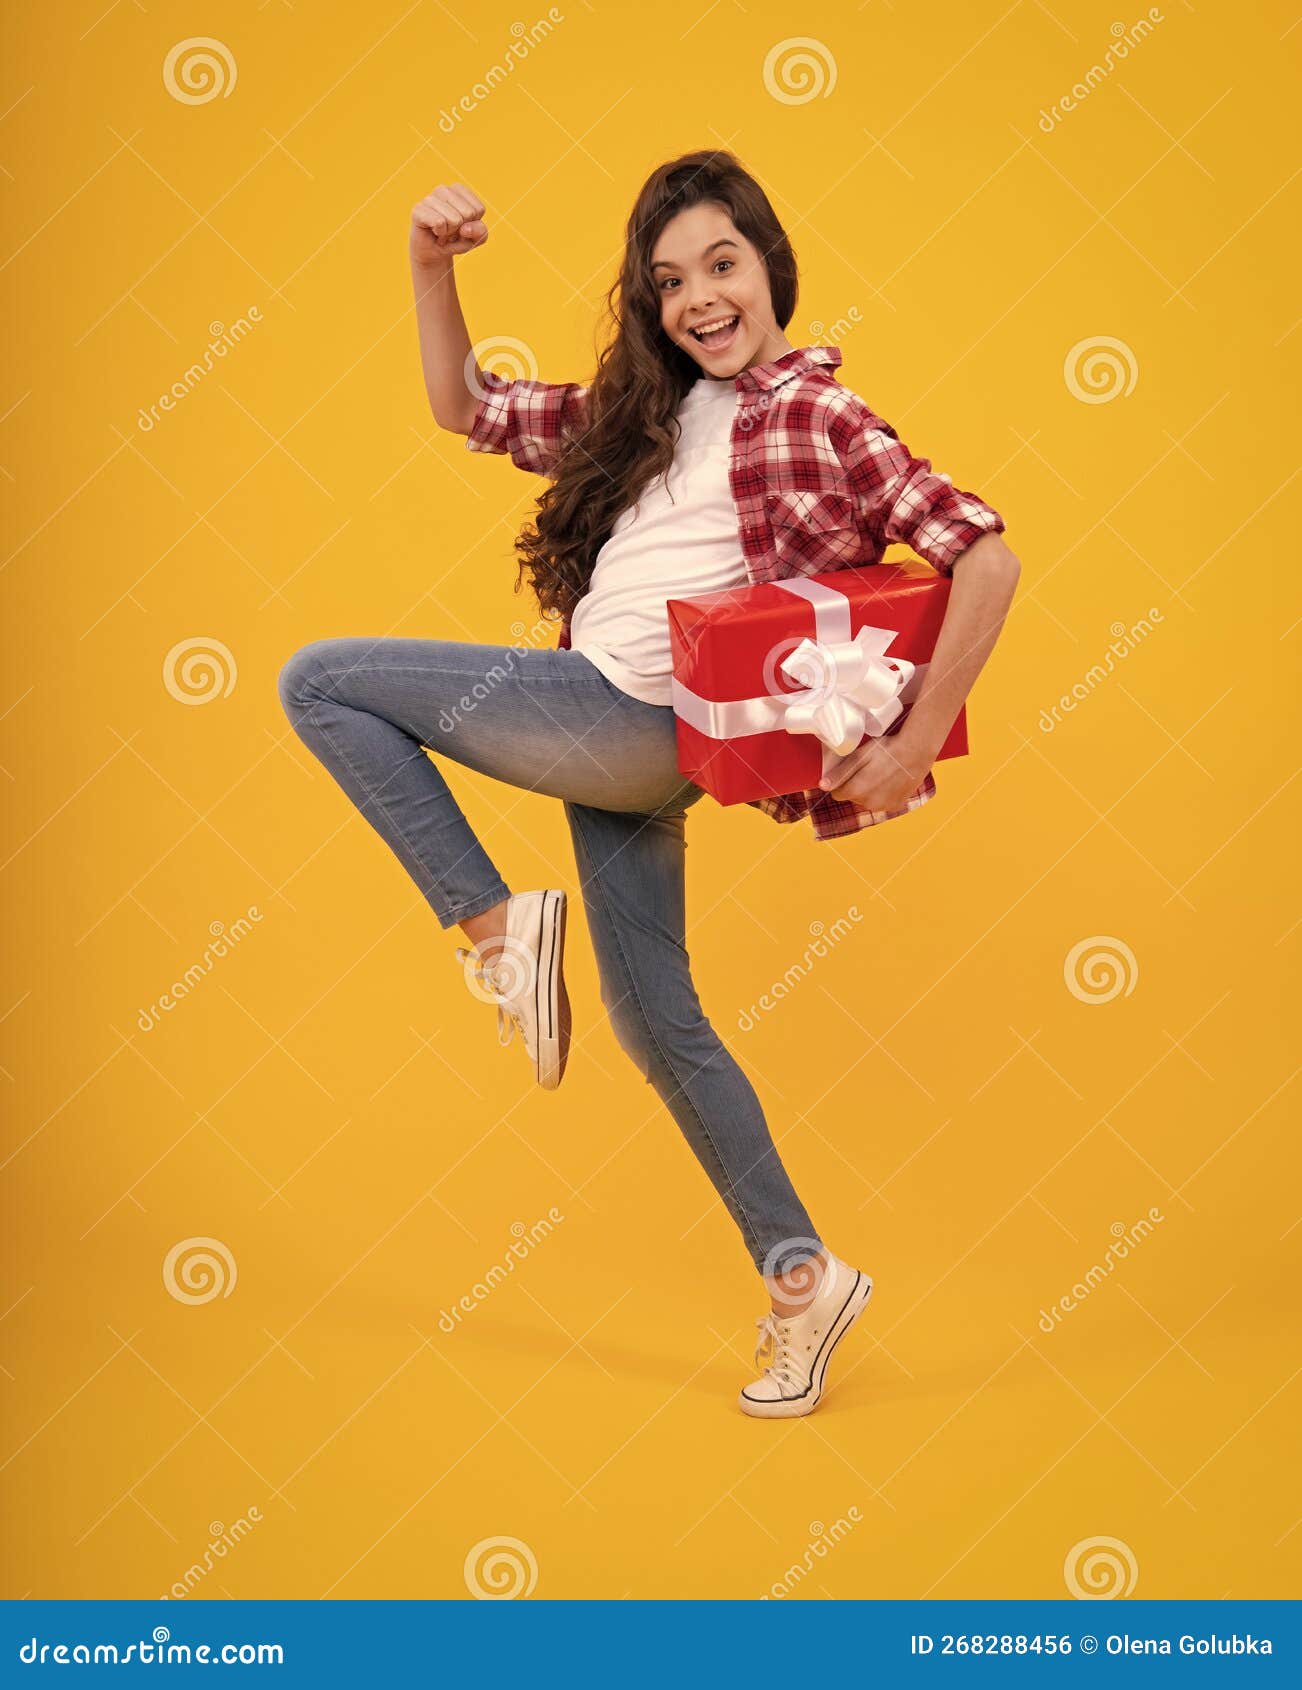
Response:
column 631, row 869
column 335, row 695
column 546, row 721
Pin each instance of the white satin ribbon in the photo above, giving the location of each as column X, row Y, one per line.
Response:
column 852, row 689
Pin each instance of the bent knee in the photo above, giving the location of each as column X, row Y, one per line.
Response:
column 303, row 676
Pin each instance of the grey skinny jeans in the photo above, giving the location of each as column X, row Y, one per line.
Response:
column 550, row 722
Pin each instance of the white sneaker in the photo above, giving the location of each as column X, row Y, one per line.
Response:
column 801, row 1345
column 526, row 980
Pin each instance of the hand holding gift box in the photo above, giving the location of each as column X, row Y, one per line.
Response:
column 774, row 684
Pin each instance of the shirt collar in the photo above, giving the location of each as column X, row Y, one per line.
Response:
column 793, row 363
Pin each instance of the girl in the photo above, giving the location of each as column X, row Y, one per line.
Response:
column 708, row 452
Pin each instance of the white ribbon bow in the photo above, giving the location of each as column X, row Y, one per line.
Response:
column 853, row 688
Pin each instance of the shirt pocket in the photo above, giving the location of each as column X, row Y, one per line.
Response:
column 815, row 531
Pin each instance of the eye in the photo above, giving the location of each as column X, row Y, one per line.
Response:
column 727, row 261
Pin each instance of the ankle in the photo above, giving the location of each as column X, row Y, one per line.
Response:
column 791, row 1293
column 486, row 931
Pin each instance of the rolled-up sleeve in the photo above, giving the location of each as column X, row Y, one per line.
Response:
column 530, row 420
column 905, row 501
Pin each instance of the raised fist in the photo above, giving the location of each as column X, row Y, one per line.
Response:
column 447, row 223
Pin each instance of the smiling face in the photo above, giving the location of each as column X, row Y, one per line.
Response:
column 707, row 273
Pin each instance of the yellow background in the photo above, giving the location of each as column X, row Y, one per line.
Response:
column 331, row 1104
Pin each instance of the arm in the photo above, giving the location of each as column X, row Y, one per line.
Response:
column 985, row 579
column 445, row 224
column 902, row 500
column 882, row 774
column 531, row 420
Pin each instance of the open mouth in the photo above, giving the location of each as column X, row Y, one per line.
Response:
column 717, row 335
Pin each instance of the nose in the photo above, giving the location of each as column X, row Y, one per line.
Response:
column 701, row 303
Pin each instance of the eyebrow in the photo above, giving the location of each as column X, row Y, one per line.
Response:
column 668, row 263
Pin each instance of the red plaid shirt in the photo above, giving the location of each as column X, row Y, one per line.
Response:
column 820, row 482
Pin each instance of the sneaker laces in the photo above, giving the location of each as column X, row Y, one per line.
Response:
column 508, row 1017
column 774, row 1335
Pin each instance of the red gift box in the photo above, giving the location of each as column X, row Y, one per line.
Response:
column 774, row 684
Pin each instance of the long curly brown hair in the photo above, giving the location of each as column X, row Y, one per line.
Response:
column 641, row 378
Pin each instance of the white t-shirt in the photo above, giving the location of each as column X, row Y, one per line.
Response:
column 660, row 550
